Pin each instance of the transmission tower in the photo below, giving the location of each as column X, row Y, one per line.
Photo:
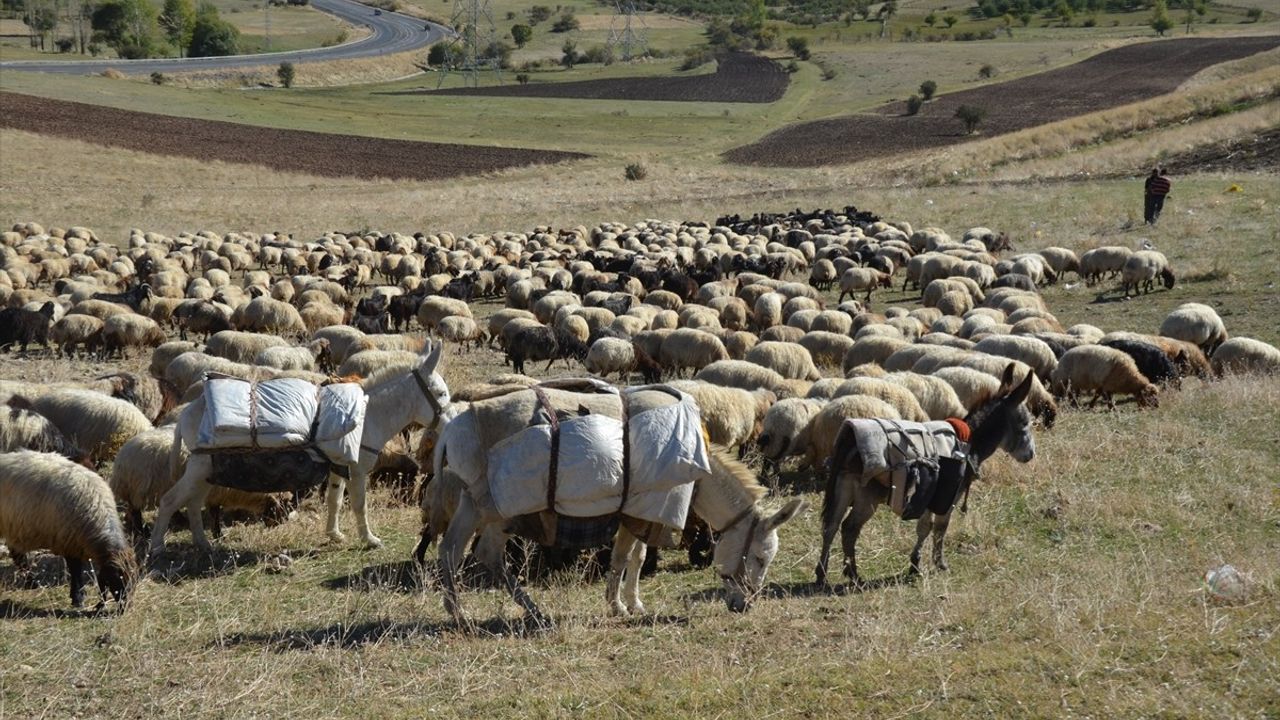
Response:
column 627, row 32
column 475, row 33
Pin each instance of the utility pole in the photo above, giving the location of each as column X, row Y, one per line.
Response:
column 266, row 14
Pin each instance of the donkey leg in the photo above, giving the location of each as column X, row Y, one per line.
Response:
column 940, row 523
column 865, row 502
column 834, row 508
column 359, row 484
column 333, row 504
column 195, row 514
column 923, row 525
column 491, row 551
column 621, row 553
column 180, row 495
column 631, row 585
column 452, row 547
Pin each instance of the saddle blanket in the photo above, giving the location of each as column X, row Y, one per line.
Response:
column 907, row 456
column 668, row 452
column 283, row 413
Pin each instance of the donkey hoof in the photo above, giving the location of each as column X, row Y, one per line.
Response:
column 941, row 565
column 637, row 608
column 617, row 609
column 372, row 542
column 336, row 537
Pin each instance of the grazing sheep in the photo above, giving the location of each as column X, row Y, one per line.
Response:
column 436, row 308
column 142, row 473
column 824, row 389
column 1141, row 269
column 629, row 325
column 784, row 431
column 24, row 429
column 826, row 348
column 1061, row 260
column 92, row 421
column 1107, row 260
column 499, row 320
column 689, row 348
column 732, row 416
column 907, row 357
column 898, row 396
column 51, row 503
column 744, row 375
column 826, row 424
column 305, row 357
column 611, row 355
column 1029, row 350
column 835, row 321
column 738, row 343
column 461, row 330
column 75, row 332
column 203, row 317
column 857, row 279
column 1197, row 324
column 936, row 397
column 100, row 309
column 122, row 332
column 788, row 360
column 241, row 347
column 367, row 362
column 575, row 326
column 1104, row 372
column 782, row 333
column 972, row 387
column 955, row 302
column 1241, row 355
column 768, row 310
column 872, row 349
column 1039, row 401
column 1152, row 362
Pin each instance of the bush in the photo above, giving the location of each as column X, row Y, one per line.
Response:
column 927, row 89
column 828, row 74
column 522, row 78
column 635, row 171
column 569, row 54
column 566, row 23
column 158, row 78
column 65, row 45
column 970, row 115
column 213, row 37
column 792, row 67
column 285, row 73
column 950, row 20
column 987, row 72
column 521, row 34
column 799, row 47
column 913, row 104
column 695, row 57
column 538, row 13
column 1254, row 14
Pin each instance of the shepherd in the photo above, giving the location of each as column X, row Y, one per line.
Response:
column 1157, row 188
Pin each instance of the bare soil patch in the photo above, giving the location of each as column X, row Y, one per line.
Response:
column 1116, row 77
column 739, row 77
column 312, row 153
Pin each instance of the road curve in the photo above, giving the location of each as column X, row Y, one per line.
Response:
column 391, row 33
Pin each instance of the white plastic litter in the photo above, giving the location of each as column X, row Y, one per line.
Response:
column 668, row 452
column 1225, row 584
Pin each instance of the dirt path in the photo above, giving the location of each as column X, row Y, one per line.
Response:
column 298, row 151
column 739, row 77
column 1116, row 77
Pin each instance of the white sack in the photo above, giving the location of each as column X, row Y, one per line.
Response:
column 282, row 410
column 340, row 424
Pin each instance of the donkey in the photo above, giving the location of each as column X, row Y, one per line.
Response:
column 419, row 395
column 1002, row 422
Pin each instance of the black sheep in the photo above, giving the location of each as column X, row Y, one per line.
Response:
column 1151, row 360
column 19, row 326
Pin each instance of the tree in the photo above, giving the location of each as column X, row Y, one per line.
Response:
column 1063, row 12
column 970, row 115
column 887, row 11
column 538, row 13
column 212, row 36
column 285, row 72
column 1194, row 8
column 129, row 26
column 913, row 104
column 799, row 47
column 42, row 18
column 566, row 23
column 521, row 34
column 178, row 20
column 951, row 20
column 931, row 19
column 862, row 8
column 927, row 89
column 1160, row 21
column 569, row 54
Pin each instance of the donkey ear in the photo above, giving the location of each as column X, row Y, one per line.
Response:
column 1020, row 393
column 431, row 356
column 1006, row 380
column 788, row 511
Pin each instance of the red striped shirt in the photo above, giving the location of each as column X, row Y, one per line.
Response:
column 1159, row 185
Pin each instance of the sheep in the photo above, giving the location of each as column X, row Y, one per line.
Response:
column 1104, row 372
column 782, row 333
column 857, row 279
column 1197, row 324
column 499, row 320
column 22, row 428
column 322, row 313
column 188, row 369
column 1061, row 260
column 937, row 399
column 1151, row 361
column 1141, row 269
column 201, row 316
column 826, row 348
column 896, row 395
column 436, row 308
column 611, row 355
column 23, row 327
column 767, row 311
column 122, row 332
column 906, row 357
column 1039, row 401
column 788, row 360
column 738, row 343
column 822, row 274
column 1241, row 355
column 74, row 332
column 1109, row 259
column 941, row 338
column 575, row 326
column 305, row 357
column 650, row 341
column 732, row 416
column 689, row 348
column 540, row 342
column 955, row 302
column 834, row 321
column 367, row 362
column 51, row 503
column 268, row 315
column 784, row 431
column 92, row 421
column 742, row 374
column 342, row 341
column 1029, row 350
column 241, row 347
column 826, row 424
column 824, row 389
column 972, row 387
column 461, row 330
column 872, row 349
column 142, row 473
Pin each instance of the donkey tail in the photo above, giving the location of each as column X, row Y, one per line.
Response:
column 845, row 443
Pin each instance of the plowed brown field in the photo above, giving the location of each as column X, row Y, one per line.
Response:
column 298, row 151
column 1116, row 77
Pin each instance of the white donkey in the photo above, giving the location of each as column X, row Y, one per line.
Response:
column 419, row 395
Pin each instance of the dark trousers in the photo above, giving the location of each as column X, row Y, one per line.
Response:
column 1154, row 204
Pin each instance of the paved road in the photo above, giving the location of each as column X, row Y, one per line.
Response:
column 392, row 33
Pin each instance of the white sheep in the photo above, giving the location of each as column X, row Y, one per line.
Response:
column 75, row 332
column 25, row 429
column 123, row 332
column 1104, row 372
column 689, row 348
column 1061, row 260
column 610, row 355
column 826, row 424
column 872, row 349
column 51, row 503
column 293, row 358
column 784, row 432
column 858, row 279
column 788, row 360
column 826, row 348
column 972, row 387
column 936, row 397
column 1197, row 324
column 743, row 374
column 732, row 416
column 898, row 396
column 1241, row 355
column 436, row 308
column 241, row 347
column 94, row 422
column 1141, row 269
column 1102, row 260
column 1029, row 350
column 367, row 362
column 461, row 330
column 268, row 315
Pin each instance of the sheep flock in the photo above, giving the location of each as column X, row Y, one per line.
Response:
column 771, row 322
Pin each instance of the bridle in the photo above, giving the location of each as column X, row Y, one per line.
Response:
column 740, row 566
column 437, row 409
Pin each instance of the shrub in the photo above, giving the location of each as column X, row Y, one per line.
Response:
column 635, row 171
column 913, row 104
column 538, row 13
column 695, row 57
column 931, row 19
column 566, row 23
column 792, row 67
column 65, row 45
column 950, row 20
column 521, row 34
column 158, row 78
column 799, row 47
column 828, row 74
column 987, row 72
column 927, row 89
column 1254, row 14
column 285, row 73
column 522, row 78
column 569, row 54
column 970, row 115
column 95, row 49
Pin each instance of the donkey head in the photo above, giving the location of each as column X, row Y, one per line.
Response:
column 1013, row 416
column 744, row 552
column 435, row 392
